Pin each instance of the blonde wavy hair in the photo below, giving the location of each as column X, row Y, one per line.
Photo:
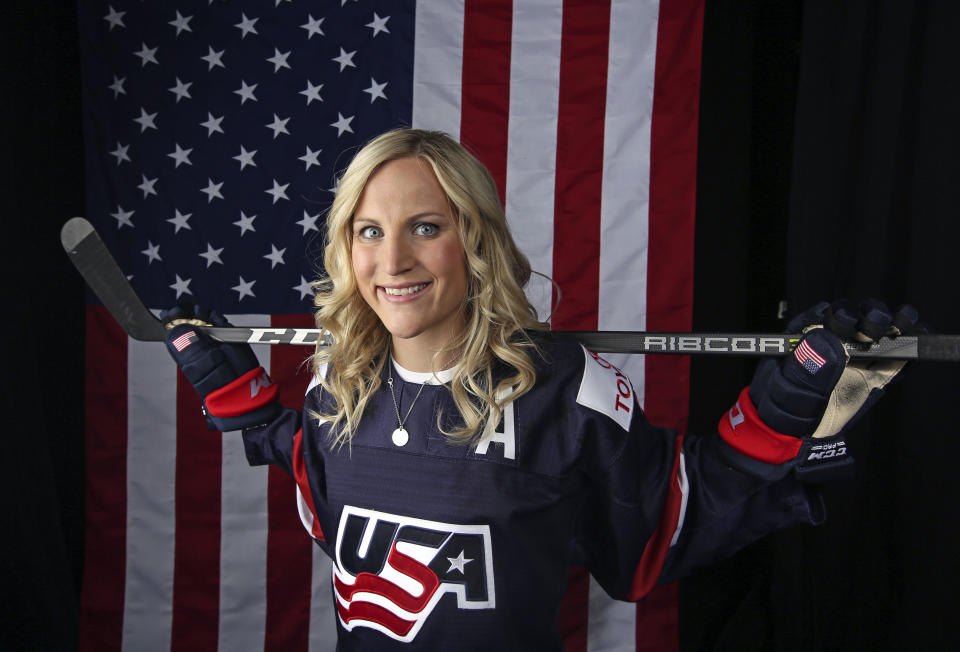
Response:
column 496, row 311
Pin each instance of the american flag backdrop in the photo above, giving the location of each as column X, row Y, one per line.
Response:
column 214, row 134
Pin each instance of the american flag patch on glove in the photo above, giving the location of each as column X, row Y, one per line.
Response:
column 185, row 340
column 810, row 359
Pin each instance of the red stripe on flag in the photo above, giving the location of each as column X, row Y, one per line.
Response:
column 196, row 567
column 104, row 564
column 579, row 174
column 485, row 84
column 574, row 610
column 289, row 552
column 657, row 621
column 585, row 36
column 673, row 164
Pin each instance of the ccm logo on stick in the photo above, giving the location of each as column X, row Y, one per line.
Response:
column 263, row 335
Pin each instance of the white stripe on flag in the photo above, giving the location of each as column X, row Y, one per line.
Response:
column 437, row 66
column 612, row 623
column 532, row 137
column 243, row 534
column 625, row 203
column 323, row 625
column 151, row 471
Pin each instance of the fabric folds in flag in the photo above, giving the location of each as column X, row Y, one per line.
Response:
column 215, row 133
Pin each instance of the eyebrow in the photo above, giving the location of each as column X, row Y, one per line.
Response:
column 412, row 218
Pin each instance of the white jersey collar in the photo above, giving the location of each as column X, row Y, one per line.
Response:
column 424, row 377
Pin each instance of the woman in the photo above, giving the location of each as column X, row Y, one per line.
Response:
column 453, row 457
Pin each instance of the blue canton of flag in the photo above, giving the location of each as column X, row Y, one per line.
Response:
column 214, row 136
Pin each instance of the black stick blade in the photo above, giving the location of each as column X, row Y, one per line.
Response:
column 101, row 272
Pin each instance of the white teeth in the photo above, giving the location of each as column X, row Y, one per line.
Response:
column 399, row 292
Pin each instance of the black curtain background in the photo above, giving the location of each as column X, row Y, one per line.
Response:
column 828, row 169
column 41, row 450
column 827, row 141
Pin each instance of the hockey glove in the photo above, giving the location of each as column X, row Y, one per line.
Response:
column 798, row 408
column 236, row 391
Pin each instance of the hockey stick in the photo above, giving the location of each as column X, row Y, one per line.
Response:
column 101, row 272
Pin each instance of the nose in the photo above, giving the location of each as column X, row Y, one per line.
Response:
column 397, row 254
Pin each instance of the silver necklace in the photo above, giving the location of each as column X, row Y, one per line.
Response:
column 400, row 436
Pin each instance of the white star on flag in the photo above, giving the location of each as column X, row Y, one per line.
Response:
column 275, row 256
column 146, row 55
column 279, row 60
column 213, row 58
column 244, row 289
column 180, row 155
column 279, row 192
column 345, row 59
column 245, row 223
column 117, row 86
column 114, row 17
column 147, row 186
column 212, row 190
column 145, row 120
column 181, row 90
column 182, row 286
column 245, row 158
column 309, row 222
column 278, row 126
column 310, row 158
column 212, row 124
column 121, row 153
column 246, row 25
column 313, row 26
column 246, row 92
column 305, row 288
column 152, row 252
column 122, row 217
column 342, row 124
column 375, row 90
column 312, row 92
column 180, row 221
column 182, row 23
column 379, row 24
column 212, row 255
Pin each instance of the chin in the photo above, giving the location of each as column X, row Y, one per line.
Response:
column 403, row 331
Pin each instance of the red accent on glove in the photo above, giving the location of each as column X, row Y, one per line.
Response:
column 250, row 391
column 743, row 430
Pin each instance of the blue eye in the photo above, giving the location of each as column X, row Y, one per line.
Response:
column 426, row 229
column 370, row 232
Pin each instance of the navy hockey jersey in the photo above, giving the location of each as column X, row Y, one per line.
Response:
column 437, row 546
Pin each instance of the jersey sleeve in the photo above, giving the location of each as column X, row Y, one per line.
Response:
column 282, row 442
column 273, row 443
column 659, row 505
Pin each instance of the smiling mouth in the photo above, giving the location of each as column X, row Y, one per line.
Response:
column 401, row 292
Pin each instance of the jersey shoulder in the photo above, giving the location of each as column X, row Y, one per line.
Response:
column 568, row 367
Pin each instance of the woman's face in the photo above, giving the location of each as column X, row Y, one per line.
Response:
column 407, row 256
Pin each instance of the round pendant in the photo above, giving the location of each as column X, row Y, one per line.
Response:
column 400, row 437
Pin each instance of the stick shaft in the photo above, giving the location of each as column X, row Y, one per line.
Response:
column 101, row 272
column 905, row 347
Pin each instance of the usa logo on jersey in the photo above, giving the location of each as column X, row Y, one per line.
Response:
column 391, row 571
